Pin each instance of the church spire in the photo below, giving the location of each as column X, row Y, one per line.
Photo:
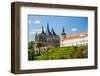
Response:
column 63, row 32
column 42, row 30
column 47, row 27
column 48, row 31
column 53, row 32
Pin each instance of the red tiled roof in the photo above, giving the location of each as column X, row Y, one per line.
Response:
column 85, row 34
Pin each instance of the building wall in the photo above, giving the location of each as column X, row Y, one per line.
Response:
column 74, row 42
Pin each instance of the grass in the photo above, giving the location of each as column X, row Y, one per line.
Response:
column 56, row 53
column 70, row 52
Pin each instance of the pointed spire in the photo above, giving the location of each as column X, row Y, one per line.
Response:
column 48, row 31
column 42, row 29
column 47, row 27
column 63, row 30
column 53, row 32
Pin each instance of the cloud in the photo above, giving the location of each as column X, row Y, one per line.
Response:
column 37, row 21
column 32, row 32
column 36, row 31
column 74, row 29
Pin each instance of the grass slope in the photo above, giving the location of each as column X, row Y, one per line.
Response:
column 64, row 53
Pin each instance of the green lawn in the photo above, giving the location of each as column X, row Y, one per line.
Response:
column 63, row 53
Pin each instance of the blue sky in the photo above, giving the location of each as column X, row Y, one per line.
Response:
column 71, row 24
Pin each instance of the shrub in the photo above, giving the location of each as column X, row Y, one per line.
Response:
column 71, row 52
column 31, row 55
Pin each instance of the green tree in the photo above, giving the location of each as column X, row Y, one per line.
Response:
column 30, row 44
column 38, row 45
column 31, row 55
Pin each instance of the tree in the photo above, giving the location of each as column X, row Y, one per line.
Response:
column 31, row 54
column 30, row 44
column 38, row 45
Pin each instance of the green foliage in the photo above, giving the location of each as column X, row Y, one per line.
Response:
column 38, row 44
column 31, row 55
column 70, row 52
column 31, row 52
column 30, row 45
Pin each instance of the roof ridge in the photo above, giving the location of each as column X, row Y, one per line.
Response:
column 74, row 36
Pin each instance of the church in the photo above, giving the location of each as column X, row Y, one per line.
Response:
column 74, row 39
column 48, row 38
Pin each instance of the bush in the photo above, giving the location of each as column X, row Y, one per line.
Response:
column 30, row 45
column 71, row 52
column 82, row 52
column 31, row 55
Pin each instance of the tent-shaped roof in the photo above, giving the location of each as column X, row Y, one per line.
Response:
column 53, row 33
column 48, row 31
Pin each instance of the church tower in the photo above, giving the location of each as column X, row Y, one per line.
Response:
column 63, row 34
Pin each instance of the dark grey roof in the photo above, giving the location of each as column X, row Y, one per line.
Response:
column 42, row 30
column 48, row 31
column 63, row 29
column 63, row 32
column 53, row 33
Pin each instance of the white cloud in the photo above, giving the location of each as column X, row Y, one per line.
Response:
column 37, row 21
column 74, row 29
column 32, row 32
column 36, row 31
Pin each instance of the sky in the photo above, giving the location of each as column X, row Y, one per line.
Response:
column 71, row 24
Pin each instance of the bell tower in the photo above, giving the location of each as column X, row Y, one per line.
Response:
column 62, row 36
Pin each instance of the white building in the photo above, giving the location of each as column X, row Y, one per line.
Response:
column 73, row 40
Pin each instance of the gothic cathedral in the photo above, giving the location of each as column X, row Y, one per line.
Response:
column 48, row 38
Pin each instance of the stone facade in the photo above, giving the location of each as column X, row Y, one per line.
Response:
column 47, row 39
